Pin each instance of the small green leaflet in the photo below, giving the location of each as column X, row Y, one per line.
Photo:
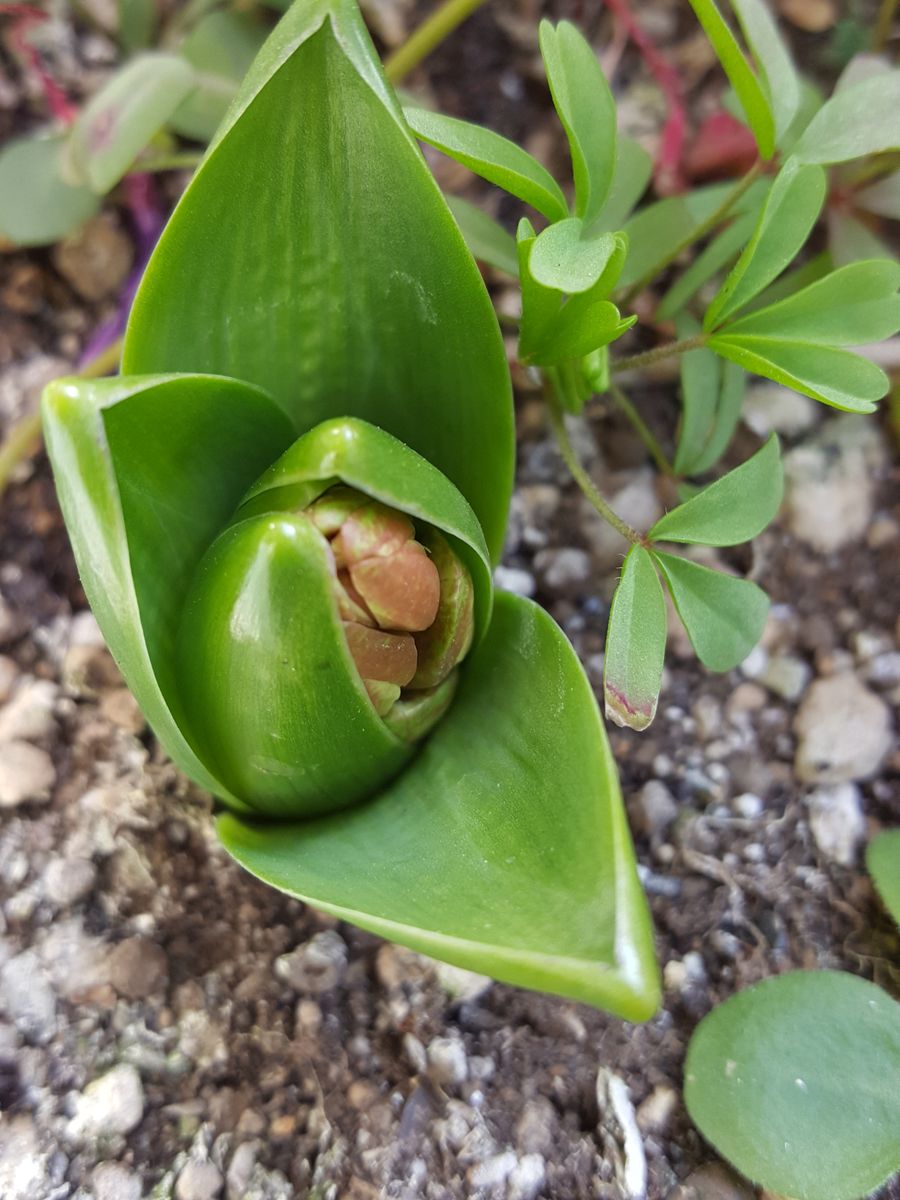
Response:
column 711, row 395
column 137, row 21
column 634, row 166
column 37, row 206
column 635, row 643
column 789, row 213
column 118, row 122
column 493, row 157
column 883, row 862
column 724, row 616
column 565, row 259
column 587, row 111
column 778, row 74
column 733, row 509
column 859, row 120
column 796, row 1081
column 718, row 253
column 485, row 237
column 220, row 48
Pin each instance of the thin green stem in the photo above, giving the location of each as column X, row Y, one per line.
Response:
column 579, row 474
column 700, row 231
column 23, row 438
column 169, row 162
column 642, row 429
column 649, row 357
column 428, row 37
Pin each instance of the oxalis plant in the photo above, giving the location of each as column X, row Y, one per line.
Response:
column 287, row 509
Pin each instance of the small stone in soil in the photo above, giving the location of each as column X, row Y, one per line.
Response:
column 844, row 731
column 26, row 774
column 138, row 968
column 837, row 822
column 199, row 1181
column 112, row 1104
column 316, row 966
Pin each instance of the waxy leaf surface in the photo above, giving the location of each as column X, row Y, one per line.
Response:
column 796, row 1081
column 883, row 862
column 856, row 121
column 493, row 157
column 503, row 846
column 773, row 61
column 635, row 643
column 346, row 288
column 723, row 616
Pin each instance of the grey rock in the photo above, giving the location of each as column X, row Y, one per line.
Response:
column 68, row 880
column 28, row 716
column 110, row 1105
column 447, row 1060
column 316, row 966
column 563, row 568
column 514, row 579
column 526, row 1178
column 537, row 1127
column 24, row 1168
column 240, row 1170
column 199, row 1180
column 786, row 676
column 113, row 1181
column 843, row 731
column 837, row 822
column 138, row 968
column 653, row 809
column 26, row 774
column 491, row 1174
column 771, row 408
column 27, row 997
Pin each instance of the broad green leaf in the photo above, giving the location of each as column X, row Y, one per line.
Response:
column 792, row 206
column 634, row 166
column 792, row 281
column 733, row 509
column 883, row 863
column 656, row 230
column 37, row 206
column 773, row 62
column 835, row 377
column 753, row 100
column 587, row 111
column 369, row 305
column 728, row 412
column 493, row 157
column 857, row 304
column 850, row 240
column 565, row 258
column 488, row 241
column 635, row 643
column 137, row 23
column 118, row 121
column 796, row 1081
column 503, row 847
column 724, row 616
column 370, row 460
column 719, row 252
column 574, row 337
column 220, row 49
column 147, row 471
column 882, row 197
column 261, row 636
column 860, row 120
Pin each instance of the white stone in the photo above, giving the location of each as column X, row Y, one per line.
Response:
column 112, row 1104
column 526, row 1178
column 23, row 1167
column 786, row 676
column 771, row 408
column 68, row 880
column 27, row 997
column 317, row 965
column 843, row 731
column 447, row 1059
column 112, row 1181
column 29, row 714
column 563, row 567
column 837, row 822
column 26, row 774
column 653, row 809
column 748, row 805
column 514, row 579
column 493, row 1172
column 199, row 1180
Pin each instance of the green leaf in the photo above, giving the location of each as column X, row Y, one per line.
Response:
column 728, row 412
column 37, row 206
column 634, row 166
column 789, row 213
column 720, row 251
column 540, row 305
column 565, row 258
column 147, row 471
column 883, row 863
column 747, row 87
column 857, row 121
column 882, row 197
column 118, row 121
column 796, row 1081
column 851, row 240
column 836, row 377
column 773, row 62
column 858, row 303
column 792, row 281
column 370, row 307
column 733, row 509
column 220, row 49
column 701, row 379
column 366, row 458
column 488, row 241
column 137, row 23
column 506, row 853
column 493, row 157
column 635, row 643
column 576, row 334
column 724, row 616
column 587, row 111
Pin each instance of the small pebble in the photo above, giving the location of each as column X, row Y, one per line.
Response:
column 112, row 1104
column 199, row 1181
column 843, row 730
column 316, row 966
column 837, row 822
column 138, row 968
column 447, row 1060
column 113, row 1181
column 68, row 880
column 26, row 774
column 27, row 997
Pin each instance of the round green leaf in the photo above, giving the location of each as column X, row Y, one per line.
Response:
column 37, row 206
column 312, row 254
column 883, row 861
column 797, row 1082
column 565, row 259
column 503, row 846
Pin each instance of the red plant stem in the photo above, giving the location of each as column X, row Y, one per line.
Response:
column 24, row 18
column 667, row 173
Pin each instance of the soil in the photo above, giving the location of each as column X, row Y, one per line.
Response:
column 140, row 946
